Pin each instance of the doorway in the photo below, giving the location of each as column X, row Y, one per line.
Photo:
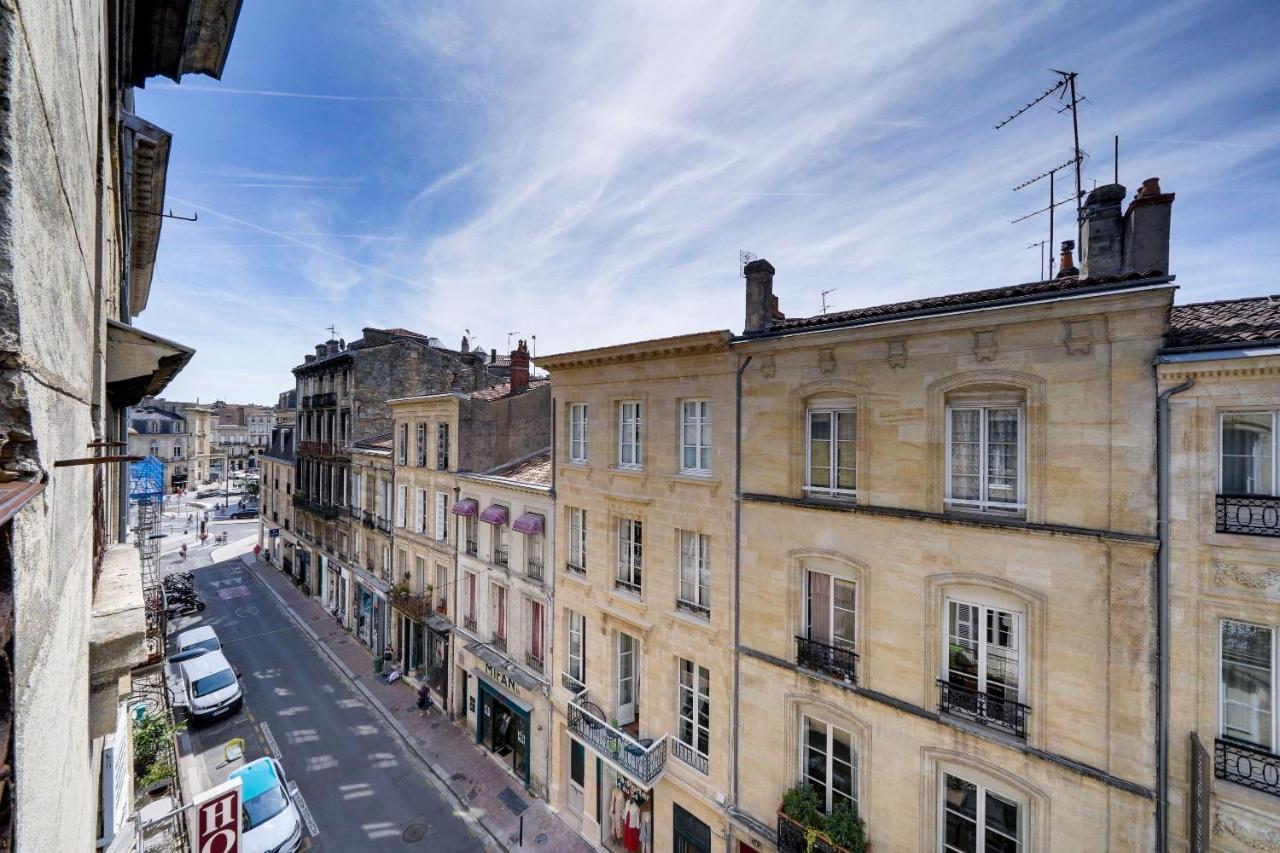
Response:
column 626, row 679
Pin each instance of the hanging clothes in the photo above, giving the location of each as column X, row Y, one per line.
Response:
column 646, row 832
column 617, row 808
column 632, row 839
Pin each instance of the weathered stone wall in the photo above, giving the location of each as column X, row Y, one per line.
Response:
column 402, row 368
column 491, row 433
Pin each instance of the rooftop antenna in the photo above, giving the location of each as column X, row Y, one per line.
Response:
column 333, row 333
column 534, row 344
column 509, row 335
column 1041, row 245
column 744, row 258
column 824, row 298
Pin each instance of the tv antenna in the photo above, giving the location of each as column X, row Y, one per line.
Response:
column 744, row 258
column 1041, row 244
column 824, row 298
column 509, row 335
column 333, row 333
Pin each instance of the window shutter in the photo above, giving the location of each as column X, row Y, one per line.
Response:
column 442, row 447
column 402, row 498
column 442, row 519
column 418, row 510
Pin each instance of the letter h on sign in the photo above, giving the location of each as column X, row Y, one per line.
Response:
column 218, row 819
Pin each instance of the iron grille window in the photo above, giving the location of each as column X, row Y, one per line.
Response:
column 630, row 555
column 694, row 709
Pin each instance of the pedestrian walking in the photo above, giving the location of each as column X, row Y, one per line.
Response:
column 182, row 552
column 424, row 699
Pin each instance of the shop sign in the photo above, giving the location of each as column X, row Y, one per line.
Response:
column 471, row 704
column 502, row 678
column 218, row 819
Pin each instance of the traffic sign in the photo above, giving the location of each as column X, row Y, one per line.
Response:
column 273, row 532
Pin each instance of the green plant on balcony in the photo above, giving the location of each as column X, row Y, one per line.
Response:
column 841, row 830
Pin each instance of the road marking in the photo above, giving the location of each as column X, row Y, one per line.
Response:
column 271, row 741
column 233, row 592
column 306, row 813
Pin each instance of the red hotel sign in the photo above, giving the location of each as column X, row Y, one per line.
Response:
column 218, row 819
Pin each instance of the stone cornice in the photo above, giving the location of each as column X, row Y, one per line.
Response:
column 701, row 343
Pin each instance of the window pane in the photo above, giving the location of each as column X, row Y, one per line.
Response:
column 962, row 657
column 1247, row 682
column 844, row 615
column 1247, row 443
column 819, row 607
column 1002, row 817
column 960, row 806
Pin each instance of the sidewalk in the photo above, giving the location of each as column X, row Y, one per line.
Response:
column 448, row 750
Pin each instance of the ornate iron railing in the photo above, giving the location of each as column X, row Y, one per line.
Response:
column 574, row 568
column 984, row 709
column 469, row 622
column 384, row 524
column 830, row 660
column 626, row 586
column 416, row 607
column 1248, row 765
column 643, row 761
column 316, row 448
column 500, row 554
column 498, row 642
column 793, row 837
column 472, row 547
column 1252, row 515
column 690, row 756
column 694, row 608
column 533, row 661
column 322, row 510
column 327, row 398
column 572, row 684
column 533, row 569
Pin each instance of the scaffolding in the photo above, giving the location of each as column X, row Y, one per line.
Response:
column 146, row 537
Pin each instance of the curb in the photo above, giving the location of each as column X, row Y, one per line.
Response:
column 438, row 778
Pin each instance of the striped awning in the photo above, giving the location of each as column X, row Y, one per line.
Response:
column 495, row 514
column 466, row 506
column 530, row 523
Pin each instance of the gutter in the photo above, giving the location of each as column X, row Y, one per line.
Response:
column 737, row 576
column 1162, row 613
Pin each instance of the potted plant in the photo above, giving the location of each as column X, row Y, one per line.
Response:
column 841, row 831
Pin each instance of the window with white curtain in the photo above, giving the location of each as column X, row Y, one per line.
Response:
column 695, row 437
column 402, row 502
column 442, row 516
column 630, row 435
column 828, row 762
column 578, row 432
column 693, row 592
column 577, row 538
column 419, row 510
column 1248, row 454
column 985, row 459
column 984, row 650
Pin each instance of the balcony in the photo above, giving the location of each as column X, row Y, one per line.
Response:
column 690, row 756
column 500, row 554
column 1006, row 715
column 416, row 607
column 383, row 524
column 701, row 611
column 499, row 643
column 627, row 586
column 366, row 518
column 325, row 511
column 534, row 662
column 354, row 512
column 533, row 568
column 472, row 547
column 643, row 760
column 572, row 684
column 574, row 568
column 312, row 401
column 1249, row 515
column 1248, row 765
column 834, row 661
column 316, row 448
column 469, row 622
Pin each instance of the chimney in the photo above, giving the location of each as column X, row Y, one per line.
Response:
column 761, row 304
column 520, row 369
column 320, row 350
column 466, row 345
column 1066, row 266
column 493, row 355
column 1146, row 229
column 1102, row 232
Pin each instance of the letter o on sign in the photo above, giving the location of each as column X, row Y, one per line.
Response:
column 222, row 841
column 218, row 819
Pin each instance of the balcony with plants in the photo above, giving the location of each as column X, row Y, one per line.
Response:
column 803, row 826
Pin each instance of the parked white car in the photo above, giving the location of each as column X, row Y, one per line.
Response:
column 271, row 822
column 211, row 686
column 203, row 637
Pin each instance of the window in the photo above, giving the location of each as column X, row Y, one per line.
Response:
column 469, row 529
column 1248, row 453
column 177, row 451
column 498, row 613
column 577, row 649
column 470, row 589
column 630, row 543
column 402, row 451
column 419, row 510
column 420, row 568
column 533, row 555
column 535, row 657
column 442, row 516
column 828, row 762
column 975, row 820
column 693, row 593
column 984, row 459
column 831, row 451
column 578, row 432
column 442, row 588
column 630, row 435
column 694, row 710
column 1248, row 687
column 421, row 456
column 577, row 539
column 442, row 447
column 402, row 501
column 499, row 543
column 830, row 611
column 984, row 652
column 357, row 491
column 695, row 437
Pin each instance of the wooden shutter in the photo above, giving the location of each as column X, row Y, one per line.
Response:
column 442, row 518
column 420, row 498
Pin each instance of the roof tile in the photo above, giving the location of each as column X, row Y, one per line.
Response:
column 1223, row 323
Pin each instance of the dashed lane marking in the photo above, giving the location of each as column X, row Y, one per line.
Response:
column 271, row 740
column 301, row 803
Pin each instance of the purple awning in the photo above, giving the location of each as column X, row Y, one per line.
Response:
column 466, row 506
column 530, row 523
column 494, row 515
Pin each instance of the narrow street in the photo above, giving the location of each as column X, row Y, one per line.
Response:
column 362, row 788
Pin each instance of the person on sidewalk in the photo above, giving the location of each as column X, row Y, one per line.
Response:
column 424, row 699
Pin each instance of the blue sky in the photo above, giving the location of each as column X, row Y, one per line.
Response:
column 587, row 172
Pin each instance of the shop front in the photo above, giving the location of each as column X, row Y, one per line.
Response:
column 303, row 568
column 438, row 633
column 370, row 611
column 507, row 711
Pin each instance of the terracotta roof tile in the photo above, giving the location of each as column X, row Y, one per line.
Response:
column 497, row 392
column 1224, row 323
column 536, row 469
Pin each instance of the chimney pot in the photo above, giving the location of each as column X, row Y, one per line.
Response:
column 1102, row 232
column 520, row 368
column 1146, row 229
column 1066, row 266
column 466, row 346
column 493, row 355
column 761, row 304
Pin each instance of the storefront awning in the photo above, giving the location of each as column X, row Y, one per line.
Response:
column 466, row 506
column 499, row 662
column 495, row 514
column 439, row 624
column 530, row 523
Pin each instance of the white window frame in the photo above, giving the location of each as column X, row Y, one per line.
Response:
column 499, row 541
column 695, row 558
column 442, row 516
column 984, row 502
column 402, row 500
column 420, row 446
column 695, row 415
column 631, row 434
column 698, row 689
column 578, row 433
column 577, row 663
column 1275, row 448
column 833, row 410
column 630, row 538
column 498, row 615
column 1274, row 746
column 1020, row 631
column 830, row 638
column 419, row 510
column 980, row 815
column 578, row 537
column 855, row 754
column 536, row 633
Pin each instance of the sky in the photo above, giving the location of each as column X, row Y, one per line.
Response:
column 586, row 173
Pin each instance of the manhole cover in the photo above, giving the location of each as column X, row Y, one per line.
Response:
column 541, row 839
column 415, row 831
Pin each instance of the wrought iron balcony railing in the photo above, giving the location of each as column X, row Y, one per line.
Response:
column 533, row 568
column 328, row 398
column 1248, row 765
column 472, row 547
column 1007, row 715
column 626, row 586
column 366, row 518
column 416, row 607
column 316, row 448
column 354, row 512
column 830, row 660
column 534, row 662
column 794, row 837
column 572, row 684
column 690, row 756
column 1251, row 515
column 642, row 759
column 384, row 524
column 574, row 568
column 693, row 607
column 469, row 622
column 498, row 642
column 500, row 555
column 322, row 510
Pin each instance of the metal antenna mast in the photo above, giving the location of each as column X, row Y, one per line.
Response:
column 1040, row 244
column 824, row 298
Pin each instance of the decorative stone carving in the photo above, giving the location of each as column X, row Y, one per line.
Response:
column 1231, row 573
column 1250, row 835
column 827, row 359
column 897, row 355
column 984, row 344
column 768, row 366
column 1079, row 338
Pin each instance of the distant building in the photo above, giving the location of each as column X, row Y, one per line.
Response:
column 164, row 435
column 275, row 491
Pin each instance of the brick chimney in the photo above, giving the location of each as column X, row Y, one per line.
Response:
column 520, row 369
column 1066, row 266
column 466, row 345
column 1146, row 229
column 762, row 306
column 1102, row 232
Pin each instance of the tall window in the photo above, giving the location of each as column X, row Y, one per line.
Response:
column 693, row 593
column 830, row 613
column 402, row 502
column 578, row 432
column 535, row 658
column 442, row 516
column 420, row 457
column 498, row 612
column 630, row 546
column 985, row 459
column 577, row 648
column 695, row 437
column 1248, row 689
column 577, row 538
column 975, row 820
column 420, row 569
column 1249, row 453
column 831, row 452
column 442, row 447
column 442, row 587
column 420, row 523
column 828, row 762
column 984, row 650
column 499, row 543
column 630, row 435
column 470, row 589
column 402, row 453
column 694, row 708
column 533, row 555
column 470, row 528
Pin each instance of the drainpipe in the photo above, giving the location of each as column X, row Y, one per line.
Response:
column 737, row 567
column 549, row 637
column 1162, row 613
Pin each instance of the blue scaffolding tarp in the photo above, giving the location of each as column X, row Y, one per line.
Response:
column 146, row 479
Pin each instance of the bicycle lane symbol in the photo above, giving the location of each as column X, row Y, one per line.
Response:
column 246, row 612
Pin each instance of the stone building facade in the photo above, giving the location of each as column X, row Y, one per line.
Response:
column 1220, row 368
column 200, row 445
column 155, row 432
column 275, row 500
column 81, row 192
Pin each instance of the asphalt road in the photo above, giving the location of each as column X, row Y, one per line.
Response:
column 364, row 790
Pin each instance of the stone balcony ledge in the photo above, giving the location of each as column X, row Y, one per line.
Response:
column 117, row 633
